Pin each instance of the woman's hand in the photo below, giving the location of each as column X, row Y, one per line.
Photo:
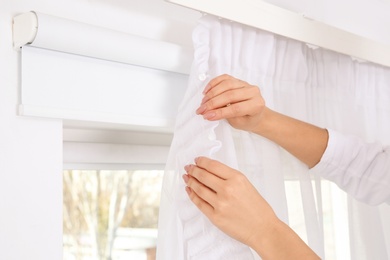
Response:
column 232, row 204
column 243, row 106
column 226, row 97
column 228, row 199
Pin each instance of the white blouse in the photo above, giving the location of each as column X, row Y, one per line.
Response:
column 361, row 169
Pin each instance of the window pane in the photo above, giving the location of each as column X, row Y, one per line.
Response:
column 110, row 214
column 334, row 214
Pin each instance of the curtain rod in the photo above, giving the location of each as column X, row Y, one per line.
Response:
column 268, row 17
column 60, row 34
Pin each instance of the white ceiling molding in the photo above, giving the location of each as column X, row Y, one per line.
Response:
column 268, row 17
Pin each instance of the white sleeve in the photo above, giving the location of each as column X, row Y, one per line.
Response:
column 361, row 169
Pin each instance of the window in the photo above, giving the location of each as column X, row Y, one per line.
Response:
column 112, row 182
column 111, row 214
column 111, row 193
column 334, row 213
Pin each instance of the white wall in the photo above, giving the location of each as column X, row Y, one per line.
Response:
column 31, row 148
column 30, row 167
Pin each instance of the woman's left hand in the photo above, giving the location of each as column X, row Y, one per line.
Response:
column 240, row 103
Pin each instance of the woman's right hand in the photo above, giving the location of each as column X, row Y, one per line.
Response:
column 226, row 97
column 234, row 205
column 229, row 200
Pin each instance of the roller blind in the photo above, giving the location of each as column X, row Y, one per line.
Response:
column 139, row 85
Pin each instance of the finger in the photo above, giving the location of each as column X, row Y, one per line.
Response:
column 239, row 109
column 201, row 190
column 229, row 97
column 217, row 168
column 215, row 81
column 206, row 178
column 223, row 86
column 202, row 205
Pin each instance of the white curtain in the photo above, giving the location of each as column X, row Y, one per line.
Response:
column 314, row 85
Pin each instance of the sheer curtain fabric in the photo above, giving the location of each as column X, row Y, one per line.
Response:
column 314, row 85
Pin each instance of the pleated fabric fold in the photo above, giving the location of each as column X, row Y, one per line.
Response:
column 183, row 229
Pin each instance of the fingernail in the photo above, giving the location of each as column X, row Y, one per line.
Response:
column 185, row 178
column 187, row 168
column 201, row 109
column 209, row 115
column 188, row 190
column 207, row 88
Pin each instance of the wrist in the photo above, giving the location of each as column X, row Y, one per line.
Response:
column 267, row 238
column 266, row 123
column 279, row 241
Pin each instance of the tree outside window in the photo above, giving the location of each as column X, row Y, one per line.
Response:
column 110, row 214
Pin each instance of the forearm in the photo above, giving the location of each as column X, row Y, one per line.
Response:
column 281, row 242
column 305, row 141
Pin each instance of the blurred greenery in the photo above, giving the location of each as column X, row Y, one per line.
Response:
column 98, row 202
